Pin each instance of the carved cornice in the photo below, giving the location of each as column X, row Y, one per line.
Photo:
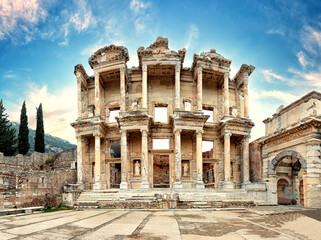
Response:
column 108, row 54
column 210, row 58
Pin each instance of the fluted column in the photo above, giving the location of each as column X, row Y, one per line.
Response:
column 97, row 173
column 199, row 159
column 178, row 159
column 144, row 162
column 122, row 89
column 124, row 162
column 227, row 161
column 177, row 86
column 144, row 87
column 246, row 160
column 97, row 94
column 246, row 100
column 79, row 160
column 199, row 89
column 226, row 95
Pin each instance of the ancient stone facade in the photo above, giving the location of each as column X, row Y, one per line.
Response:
column 165, row 113
column 35, row 180
column 290, row 153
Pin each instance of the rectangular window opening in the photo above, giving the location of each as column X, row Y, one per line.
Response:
column 207, row 149
column 115, row 149
column 160, row 144
column 113, row 114
column 210, row 113
column 161, row 114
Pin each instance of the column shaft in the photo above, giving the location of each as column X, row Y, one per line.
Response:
column 79, row 160
column 97, row 172
column 178, row 160
column 246, row 160
column 226, row 95
column 144, row 162
column 199, row 89
column 124, row 162
column 227, row 157
column 97, row 94
column 122, row 89
column 199, row 160
column 144, row 87
column 177, row 86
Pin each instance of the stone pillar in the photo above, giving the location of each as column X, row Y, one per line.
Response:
column 246, row 160
column 144, row 162
column 79, row 95
column 178, row 159
column 199, row 89
column 144, row 87
column 226, row 95
column 97, row 94
column 177, row 86
column 124, row 161
column 79, row 160
column 97, row 173
column 216, row 175
column 246, row 100
column 227, row 161
column 122, row 89
column 199, row 159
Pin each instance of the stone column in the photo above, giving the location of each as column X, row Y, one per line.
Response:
column 97, row 94
column 216, row 175
column 226, row 95
column 227, row 161
column 177, row 86
column 178, row 159
column 124, row 161
column 199, row 159
column 199, row 89
column 122, row 89
column 246, row 160
column 246, row 100
column 144, row 87
column 144, row 162
column 97, row 173
column 79, row 160
column 79, row 95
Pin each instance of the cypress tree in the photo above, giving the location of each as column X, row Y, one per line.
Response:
column 23, row 136
column 40, row 132
column 7, row 133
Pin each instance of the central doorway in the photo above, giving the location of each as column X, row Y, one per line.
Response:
column 115, row 175
column 161, row 171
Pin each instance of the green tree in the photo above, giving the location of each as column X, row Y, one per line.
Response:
column 40, row 132
column 7, row 133
column 23, row 136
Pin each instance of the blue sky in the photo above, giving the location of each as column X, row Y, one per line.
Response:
column 42, row 41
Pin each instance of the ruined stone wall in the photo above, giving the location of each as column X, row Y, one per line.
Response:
column 37, row 179
column 256, row 162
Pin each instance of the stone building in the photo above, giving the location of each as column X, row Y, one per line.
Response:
column 288, row 157
column 144, row 127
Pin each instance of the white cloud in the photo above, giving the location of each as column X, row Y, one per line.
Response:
column 140, row 25
column 311, row 39
column 59, row 110
column 92, row 48
column 302, row 59
column 20, row 15
column 192, row 35
column 280, row 95
column 138, row 7
column 275, row 31
column 312, row 79
column 269, row 75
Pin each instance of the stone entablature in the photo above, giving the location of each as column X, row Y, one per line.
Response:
column 185, row 93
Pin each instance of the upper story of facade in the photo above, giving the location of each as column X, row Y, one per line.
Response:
column 160, row 86
column 305, row 109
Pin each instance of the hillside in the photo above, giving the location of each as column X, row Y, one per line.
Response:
column 53, row 144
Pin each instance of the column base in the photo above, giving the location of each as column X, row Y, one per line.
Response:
column 178, row 185
column 145, row 185
column 123, row 185
column 80, row 186
column 245, row 184
column 227, row 185
column 99, row 186
column 200, row 185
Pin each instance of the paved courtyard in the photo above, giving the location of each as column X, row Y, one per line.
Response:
column 105, row 224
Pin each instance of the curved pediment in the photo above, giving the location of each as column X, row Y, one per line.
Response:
column 108, row 54
column 210, row 58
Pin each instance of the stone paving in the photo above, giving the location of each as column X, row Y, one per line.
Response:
column 171, row 224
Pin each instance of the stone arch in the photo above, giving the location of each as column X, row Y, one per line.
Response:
column 283, row 154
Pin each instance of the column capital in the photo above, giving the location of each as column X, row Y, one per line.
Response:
column 144, row 67
column 122, row 69
column 227, row 133
column 97, row 135
column 96, row 74
column 199, row 69
column 199, row 132
column 226, row 75
column 177, row 67
column 246, row 137
column 177, row 131
column 143, row 131
column 84, row 141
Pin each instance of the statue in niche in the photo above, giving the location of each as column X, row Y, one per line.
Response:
column 185, row 169
column 137, row 169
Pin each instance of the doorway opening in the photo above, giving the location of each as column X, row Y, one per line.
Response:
column 115, row 175
column 161, row 171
